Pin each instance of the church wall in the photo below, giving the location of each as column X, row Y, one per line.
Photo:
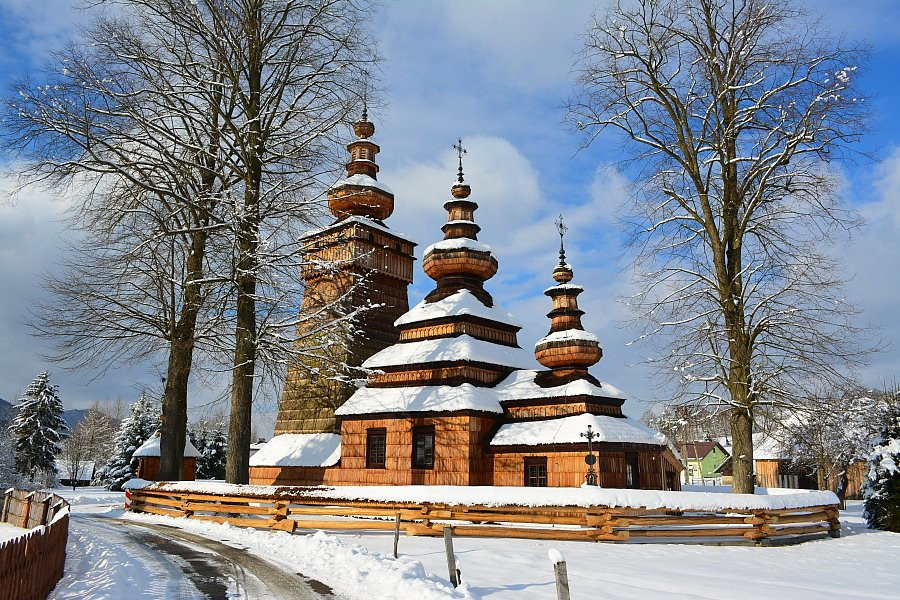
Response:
column 568, row 469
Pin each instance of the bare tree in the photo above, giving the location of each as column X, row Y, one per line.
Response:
column 734, row 110
column 205, row 132
column 834, row 431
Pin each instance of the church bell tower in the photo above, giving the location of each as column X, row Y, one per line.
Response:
column 355, row 265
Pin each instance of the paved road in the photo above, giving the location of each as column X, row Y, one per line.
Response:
column 115, row 559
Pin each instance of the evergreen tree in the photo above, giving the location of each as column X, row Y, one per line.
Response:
column 134, row 431
column 211, row 440
column 882, row 487
column 38, row 429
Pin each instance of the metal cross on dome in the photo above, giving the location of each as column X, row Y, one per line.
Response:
column 460, row 151
column 562, row 229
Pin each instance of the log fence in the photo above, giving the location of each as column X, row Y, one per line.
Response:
column 33, row 563
column 594, row 523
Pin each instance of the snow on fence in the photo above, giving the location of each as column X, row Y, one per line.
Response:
column 717, row 517
column 33, row 563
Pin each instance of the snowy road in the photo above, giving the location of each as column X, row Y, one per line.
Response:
column 113, row 559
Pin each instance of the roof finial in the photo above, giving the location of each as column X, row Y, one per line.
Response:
column 365, row 113
column 562, row 229
column 460, row 151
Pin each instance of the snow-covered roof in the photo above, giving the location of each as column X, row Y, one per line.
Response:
column 568, row 335
column 429, row 398
column 520, row 385
column 568, row 430
column 458, row 244
column 363, row 221
column 363, row 180
column 765, row 447
column 565, row 286
column 151, row 448
column 299, row 450
column 463, row 348
column 462, row 302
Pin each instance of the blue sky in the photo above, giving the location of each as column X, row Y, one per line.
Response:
column 494, row 73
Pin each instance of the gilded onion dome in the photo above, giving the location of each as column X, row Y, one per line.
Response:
column 567, row 346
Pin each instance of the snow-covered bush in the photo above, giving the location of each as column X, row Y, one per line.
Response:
column 37, row 430
column 134, row 431
column 882, row 487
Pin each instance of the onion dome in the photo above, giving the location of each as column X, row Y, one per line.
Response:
column 460, row 261
column 360, row 193
column 567, row 346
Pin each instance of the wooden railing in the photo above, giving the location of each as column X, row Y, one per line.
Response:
column 596, row 523
column 33, row 563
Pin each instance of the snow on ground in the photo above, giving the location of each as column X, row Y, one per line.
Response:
column 9, row 532
column 861, row 564
column 347, row 568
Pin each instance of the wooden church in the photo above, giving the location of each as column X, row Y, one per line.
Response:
column 449, row 398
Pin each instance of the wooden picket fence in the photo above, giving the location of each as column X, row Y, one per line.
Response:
column 32, row 564
column 289, row 512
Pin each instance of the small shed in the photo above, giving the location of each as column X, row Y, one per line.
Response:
column 80, row 479
column 148, row 460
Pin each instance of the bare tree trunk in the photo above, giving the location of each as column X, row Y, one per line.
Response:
column 181, row 355
column 242, row 381
column 742, row 452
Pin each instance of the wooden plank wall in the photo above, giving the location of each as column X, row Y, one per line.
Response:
column 31, row 565
column 148, row 468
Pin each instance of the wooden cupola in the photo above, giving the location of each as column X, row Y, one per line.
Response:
column 360, row 193
column 567, row 349
column 460, row 261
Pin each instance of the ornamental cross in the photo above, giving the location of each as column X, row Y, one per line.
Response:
column 460, row 151
column 562, row 229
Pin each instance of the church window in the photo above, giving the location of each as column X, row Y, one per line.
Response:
column 376, row 447
column 632, row 473
column 423, row 447
column 536, row 471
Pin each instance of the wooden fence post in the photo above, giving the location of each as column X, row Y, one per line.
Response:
column 562, row 576
column 451, row 558
column 7, row 500
column 45, row 509
column 27, row 512
column 396, row 533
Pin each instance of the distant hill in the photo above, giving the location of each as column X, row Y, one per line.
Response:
column 75, row 416
column 72, row 417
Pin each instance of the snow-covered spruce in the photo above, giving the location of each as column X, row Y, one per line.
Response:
column 134, row 431
column 38, row 429
column 881, row 489
column 211, row 441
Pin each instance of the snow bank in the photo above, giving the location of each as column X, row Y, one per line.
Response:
column 370, row 400
column 568, row 430
column 151, row 448
column 299, row 450
column 462, row 302
column 517, row 496
column 458, row 244
column 463, row 348
column 349, row 570
column 520, row 385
